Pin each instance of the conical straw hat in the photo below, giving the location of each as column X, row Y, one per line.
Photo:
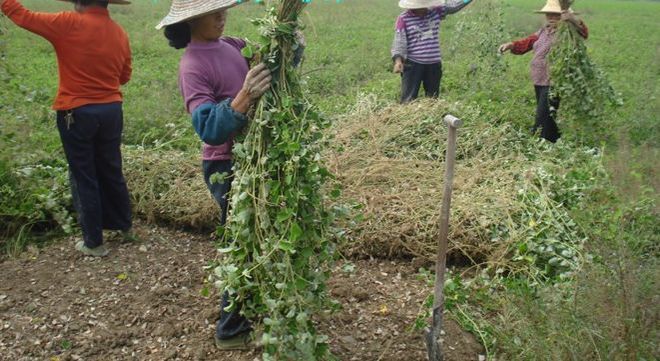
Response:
column 552, row 6
column 419, row 4
column 182, row 10
column 117, row 2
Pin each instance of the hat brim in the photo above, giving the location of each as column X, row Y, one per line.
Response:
column 417, row 4
column 555, row 12
column 114, row 2
column 171, row 20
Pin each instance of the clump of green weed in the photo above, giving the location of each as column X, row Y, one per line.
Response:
column 33, row 197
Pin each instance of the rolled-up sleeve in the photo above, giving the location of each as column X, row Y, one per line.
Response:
column 215, row 123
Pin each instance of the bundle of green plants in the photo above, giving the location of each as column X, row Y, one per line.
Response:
column 277, row 248
column 583, row 87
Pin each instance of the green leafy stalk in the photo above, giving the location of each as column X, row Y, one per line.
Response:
column 277, row 264
column 581, row 85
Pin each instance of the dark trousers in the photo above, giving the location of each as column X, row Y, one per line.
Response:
column 91, row 138
column 231, row 323
column 546, row 114
column 415, row 75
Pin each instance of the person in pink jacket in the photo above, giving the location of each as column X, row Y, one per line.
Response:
column 541, row 43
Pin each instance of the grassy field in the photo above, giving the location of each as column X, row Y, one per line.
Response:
column 609, row 313
column 349, row 56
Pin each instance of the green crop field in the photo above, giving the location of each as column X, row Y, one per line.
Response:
column 607, row 311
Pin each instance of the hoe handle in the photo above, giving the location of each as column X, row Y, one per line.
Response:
column 432, row 336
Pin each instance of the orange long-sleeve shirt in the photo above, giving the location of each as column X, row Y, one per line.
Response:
column 93, row 52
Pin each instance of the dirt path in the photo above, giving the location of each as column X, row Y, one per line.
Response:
column 144, row 302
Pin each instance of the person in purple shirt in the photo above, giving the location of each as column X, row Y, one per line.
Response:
column 218, row 89
column 416, row 46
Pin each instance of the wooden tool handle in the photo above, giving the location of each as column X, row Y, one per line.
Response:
column 433, row 346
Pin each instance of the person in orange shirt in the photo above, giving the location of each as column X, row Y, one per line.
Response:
column 94, row 60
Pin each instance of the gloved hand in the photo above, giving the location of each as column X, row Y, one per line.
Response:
column 257, row 81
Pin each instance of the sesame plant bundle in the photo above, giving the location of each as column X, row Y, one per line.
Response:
column 277, row 247
column 581, row 85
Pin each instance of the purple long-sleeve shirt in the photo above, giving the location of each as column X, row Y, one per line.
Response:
column 211, row 73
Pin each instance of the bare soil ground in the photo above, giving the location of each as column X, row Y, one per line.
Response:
column 144, row 302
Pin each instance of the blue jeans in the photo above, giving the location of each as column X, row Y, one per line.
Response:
column 91, row 138
column 231, row 323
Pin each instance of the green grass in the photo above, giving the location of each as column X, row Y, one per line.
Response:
column 608, row 314
column 348, row 54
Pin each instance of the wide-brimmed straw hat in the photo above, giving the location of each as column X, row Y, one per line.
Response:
column 552, row 7
column 182, row 10
column 116, row 2
column 419, row 4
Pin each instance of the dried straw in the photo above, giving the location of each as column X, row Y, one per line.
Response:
column 391, row 162
column 168, row 187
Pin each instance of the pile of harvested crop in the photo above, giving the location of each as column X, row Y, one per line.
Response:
column 168, row 187
column 508, row 204
column 509, row 201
